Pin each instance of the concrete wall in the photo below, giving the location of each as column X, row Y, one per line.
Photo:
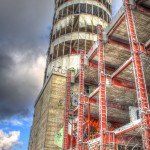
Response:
column 49, row 114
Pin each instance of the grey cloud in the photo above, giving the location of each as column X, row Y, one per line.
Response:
column 24, row 22
column 24, row 38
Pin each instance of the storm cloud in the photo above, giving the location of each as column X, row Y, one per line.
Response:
column 24, row 36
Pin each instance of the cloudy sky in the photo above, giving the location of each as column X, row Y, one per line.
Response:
column 25, row 26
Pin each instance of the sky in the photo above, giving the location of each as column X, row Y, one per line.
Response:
column 25, row 27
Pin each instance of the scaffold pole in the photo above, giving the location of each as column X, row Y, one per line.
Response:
column 89, row 111
column 66, row 114
column 139, row 76
column 102, row 90
column 81, row 103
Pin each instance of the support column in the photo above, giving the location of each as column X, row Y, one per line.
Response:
column 81, row 103
column 102, row 90
column 66, row 120
column 139, row 77
column 89, row 110
column 72, row 129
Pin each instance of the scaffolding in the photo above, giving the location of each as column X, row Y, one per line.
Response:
column 128, row 135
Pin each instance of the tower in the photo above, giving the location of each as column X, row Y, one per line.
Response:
column 74, row 30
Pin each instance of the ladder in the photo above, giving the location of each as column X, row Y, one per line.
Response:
column 81, row 103
column 139, row 76
column 66, row 114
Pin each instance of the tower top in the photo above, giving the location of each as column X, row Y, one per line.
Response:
column 74, row 29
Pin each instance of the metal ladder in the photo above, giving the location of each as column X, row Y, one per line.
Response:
column 66, row 114
column 139, row 76
column 81, row 103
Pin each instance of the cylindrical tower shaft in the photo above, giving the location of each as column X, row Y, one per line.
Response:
column 74, row 29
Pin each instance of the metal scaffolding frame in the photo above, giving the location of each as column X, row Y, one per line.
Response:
column 81, row 103
column 110, row 139
column 142, row 97
column 66, row 115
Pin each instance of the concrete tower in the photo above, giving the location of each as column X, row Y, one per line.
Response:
column 74, row 29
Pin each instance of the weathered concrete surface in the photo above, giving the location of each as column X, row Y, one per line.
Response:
column 49, row 114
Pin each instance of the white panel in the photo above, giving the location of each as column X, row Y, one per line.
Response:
column 65, row 62
column 133, row 112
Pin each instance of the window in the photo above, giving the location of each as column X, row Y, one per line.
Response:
column 100, row 13
column 89, row 9
column 76, row 9
column 70, row 9
column 95, row 10
column 82, row 8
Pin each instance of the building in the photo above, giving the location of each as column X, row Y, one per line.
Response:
column 74, row 30
column 98, row 96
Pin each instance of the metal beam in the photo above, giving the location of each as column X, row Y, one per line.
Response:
column 108, row 67
column 81, row 103
column 91, row 101
column 139, row 77
column 127, row 128
column 122, row 83
column 93, row 51
column 117, row 20
column 66, row 121
column 89, row 117
column 94, row 93
column 122, row 67
column 129, row 85
column 77, row 75
column 110, row 104
column 93, row 65
column 118, row 82
column 119, row 43
column 116, row 25
column 102, row 91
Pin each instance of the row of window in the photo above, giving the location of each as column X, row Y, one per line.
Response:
column 64, row 31
column 70, row 47
column 104, row 2
column 83, row 8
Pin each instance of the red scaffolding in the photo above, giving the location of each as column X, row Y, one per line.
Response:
column 66, row 115
column 81, row 103
column 110, row 138
column 139, row 76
